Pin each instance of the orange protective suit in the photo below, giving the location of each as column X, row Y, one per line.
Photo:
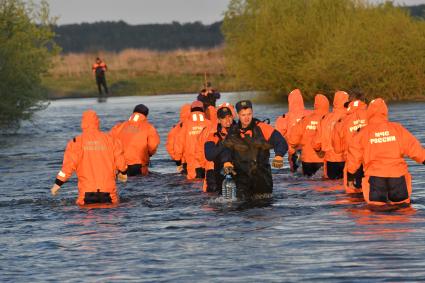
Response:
column 296, row 112
column 285, row 123
column 323, row 139
column 381, row 147
column 343, row 135
column 139, row 140
column 211, row 114
column 305, row 130
column 95, row 157
column 173, row 133
column 98, row 65
column 186, row 143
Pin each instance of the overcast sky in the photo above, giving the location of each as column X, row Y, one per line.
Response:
column 147, row 11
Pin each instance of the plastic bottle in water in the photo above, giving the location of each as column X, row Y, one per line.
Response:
column 228, row 189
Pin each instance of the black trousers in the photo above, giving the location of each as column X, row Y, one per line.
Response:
column 388, row 189
column 335, row 170
column 253, row 182
column 356, row 177
column 310, row 168
column 97, row 197
column 214, row 181
column 101, row 81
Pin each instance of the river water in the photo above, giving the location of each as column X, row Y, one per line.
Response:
column 165, row 229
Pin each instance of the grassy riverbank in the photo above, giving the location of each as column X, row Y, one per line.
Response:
column 140, row 72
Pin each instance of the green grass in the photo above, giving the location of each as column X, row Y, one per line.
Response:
column 147, row 84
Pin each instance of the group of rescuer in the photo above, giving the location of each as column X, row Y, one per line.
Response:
column 355, row 142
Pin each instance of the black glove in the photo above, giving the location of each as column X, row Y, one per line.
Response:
column 200, row 173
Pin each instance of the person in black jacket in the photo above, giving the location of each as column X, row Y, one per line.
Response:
column 208, row 96
column 247, row 153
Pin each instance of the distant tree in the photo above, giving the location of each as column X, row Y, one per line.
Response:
column 26, row 46
column 117, row 36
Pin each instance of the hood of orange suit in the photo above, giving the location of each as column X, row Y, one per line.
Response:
column 340, row 98
column 137, row 117
column 90, row 121
column 321, row 104
column 377, row 111
column 295, row 101
column 356, row 105
column 184, row 112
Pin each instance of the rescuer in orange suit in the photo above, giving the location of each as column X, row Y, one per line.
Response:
column 304, row 132
column 333, row 162
column 381, row 146
column 187, row 140
column 343, row 134
column 285, row 123
column 171, row 138
column 95, row 157
column 211, row 146
column 139, row 139
column 99, row 68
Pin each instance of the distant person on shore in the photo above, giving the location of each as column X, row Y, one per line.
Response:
column 139, row 139
column 285, row 123
column 96, row 157
column 208, row 96
column 381, row 146
column 248, row 143
column 99, row 68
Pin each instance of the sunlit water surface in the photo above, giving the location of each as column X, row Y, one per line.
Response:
column 165, row 229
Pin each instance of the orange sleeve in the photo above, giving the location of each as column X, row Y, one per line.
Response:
column 355, row 152
column 114, row 132
column 294, row 138
column 316, row 141
column 411, row 147
column 211, row 114
column 266, row 129
column 120, row 163
column 93, row 68
column 179, row 142
column 281, row 125
column 337, row 140
column 200, row 151
column 153, row 140
column 70, row 160
column 171, row 140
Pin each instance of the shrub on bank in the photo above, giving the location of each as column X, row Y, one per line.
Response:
column 326, row 45
column 26, row 46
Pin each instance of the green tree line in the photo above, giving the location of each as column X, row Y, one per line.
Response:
column 116, row 36
column 326, row 45
column 26, row 46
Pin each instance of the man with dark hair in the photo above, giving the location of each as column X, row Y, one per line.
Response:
column 211, row 141
column 248, row 145
column 99, row 68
